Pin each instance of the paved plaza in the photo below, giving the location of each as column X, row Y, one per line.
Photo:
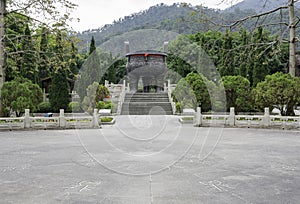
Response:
column 150, row 159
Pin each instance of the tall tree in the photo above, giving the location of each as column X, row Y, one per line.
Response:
column 28, row 64
column 59, row 91
column 92, row 46
column 292, row 40
column 2, row 46
column 43, row 55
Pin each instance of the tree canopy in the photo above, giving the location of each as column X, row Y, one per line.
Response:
column 20, row 94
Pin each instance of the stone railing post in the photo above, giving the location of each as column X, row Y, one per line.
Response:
column 128, row 88
column 62, row 119
column 27, row 121
column 198, row 118
column 106, row 83
column 266, row 119
column 231, row 117
column 95, row 119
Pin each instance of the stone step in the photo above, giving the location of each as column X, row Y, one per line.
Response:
column 146, row 100
column 147, row 103
column 147, row 113
column 147, row 95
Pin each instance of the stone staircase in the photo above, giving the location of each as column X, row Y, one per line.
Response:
column 146, row 104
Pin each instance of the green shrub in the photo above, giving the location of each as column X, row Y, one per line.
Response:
column 104, row 105
column 44, row 107
column 109, row 105
column 178, row 107
column 106, row 119
column 100, row 105
column 74, row 107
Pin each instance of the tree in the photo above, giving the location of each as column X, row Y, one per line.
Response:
column 278, row 91
column 21, row 94
column 238, row 93
column 292, row 39
column 101, row 93
column 193, row 91
column 30, row 9
column 59, row 91
column 89, row 101
column 291, row 25
column 92, row 46
column 93, row 70
column 28, row 63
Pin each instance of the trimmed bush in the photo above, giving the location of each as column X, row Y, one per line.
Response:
column 74, row 107
column 44, row 107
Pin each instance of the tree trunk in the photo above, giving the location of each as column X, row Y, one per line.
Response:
column 292, row 55
column 2, row 47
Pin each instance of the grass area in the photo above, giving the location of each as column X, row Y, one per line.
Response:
column 106, row 119
column 187, row 118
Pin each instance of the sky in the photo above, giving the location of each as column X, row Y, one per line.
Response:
column 96, row 13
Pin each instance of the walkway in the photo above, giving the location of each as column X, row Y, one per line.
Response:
column 150, row 159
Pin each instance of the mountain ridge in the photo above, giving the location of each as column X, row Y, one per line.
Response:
column 184, row 19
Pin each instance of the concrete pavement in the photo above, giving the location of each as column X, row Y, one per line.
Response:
column 150, row 159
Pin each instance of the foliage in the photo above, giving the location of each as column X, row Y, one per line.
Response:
column 89, row 101
column 21, row 94
column 101, row 93
column 92, row 46
column 59, row 91
column 106, row 119
column 238, row 93
column 44, row 107
column 200, row 86
column 105, row 105
column 184, row 96
column 251, row 55
column 116, row 71
column 179, row 107
column 74, row 107
column 278, row 90
column 93, row 70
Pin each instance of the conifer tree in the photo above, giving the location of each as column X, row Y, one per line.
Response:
column 92, row 46
column 28, row 64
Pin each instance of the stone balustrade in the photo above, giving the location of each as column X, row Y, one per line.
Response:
column 60, row 122
column 249, row 121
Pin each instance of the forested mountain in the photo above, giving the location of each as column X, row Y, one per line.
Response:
column 188, row 19
column 258, row 5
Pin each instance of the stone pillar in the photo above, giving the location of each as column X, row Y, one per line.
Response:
column 62, row 119
column 133, row 82
column 128, row 87
column 231, row 118
column 266, row 119
column 106, row 83
column 166, row 47
column 44, row 95
column 124, row 85
column 27, row 122
column 95, row 119
column 198, row 118
column 127, row 47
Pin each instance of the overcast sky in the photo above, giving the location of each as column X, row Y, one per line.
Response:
column 96, row 13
